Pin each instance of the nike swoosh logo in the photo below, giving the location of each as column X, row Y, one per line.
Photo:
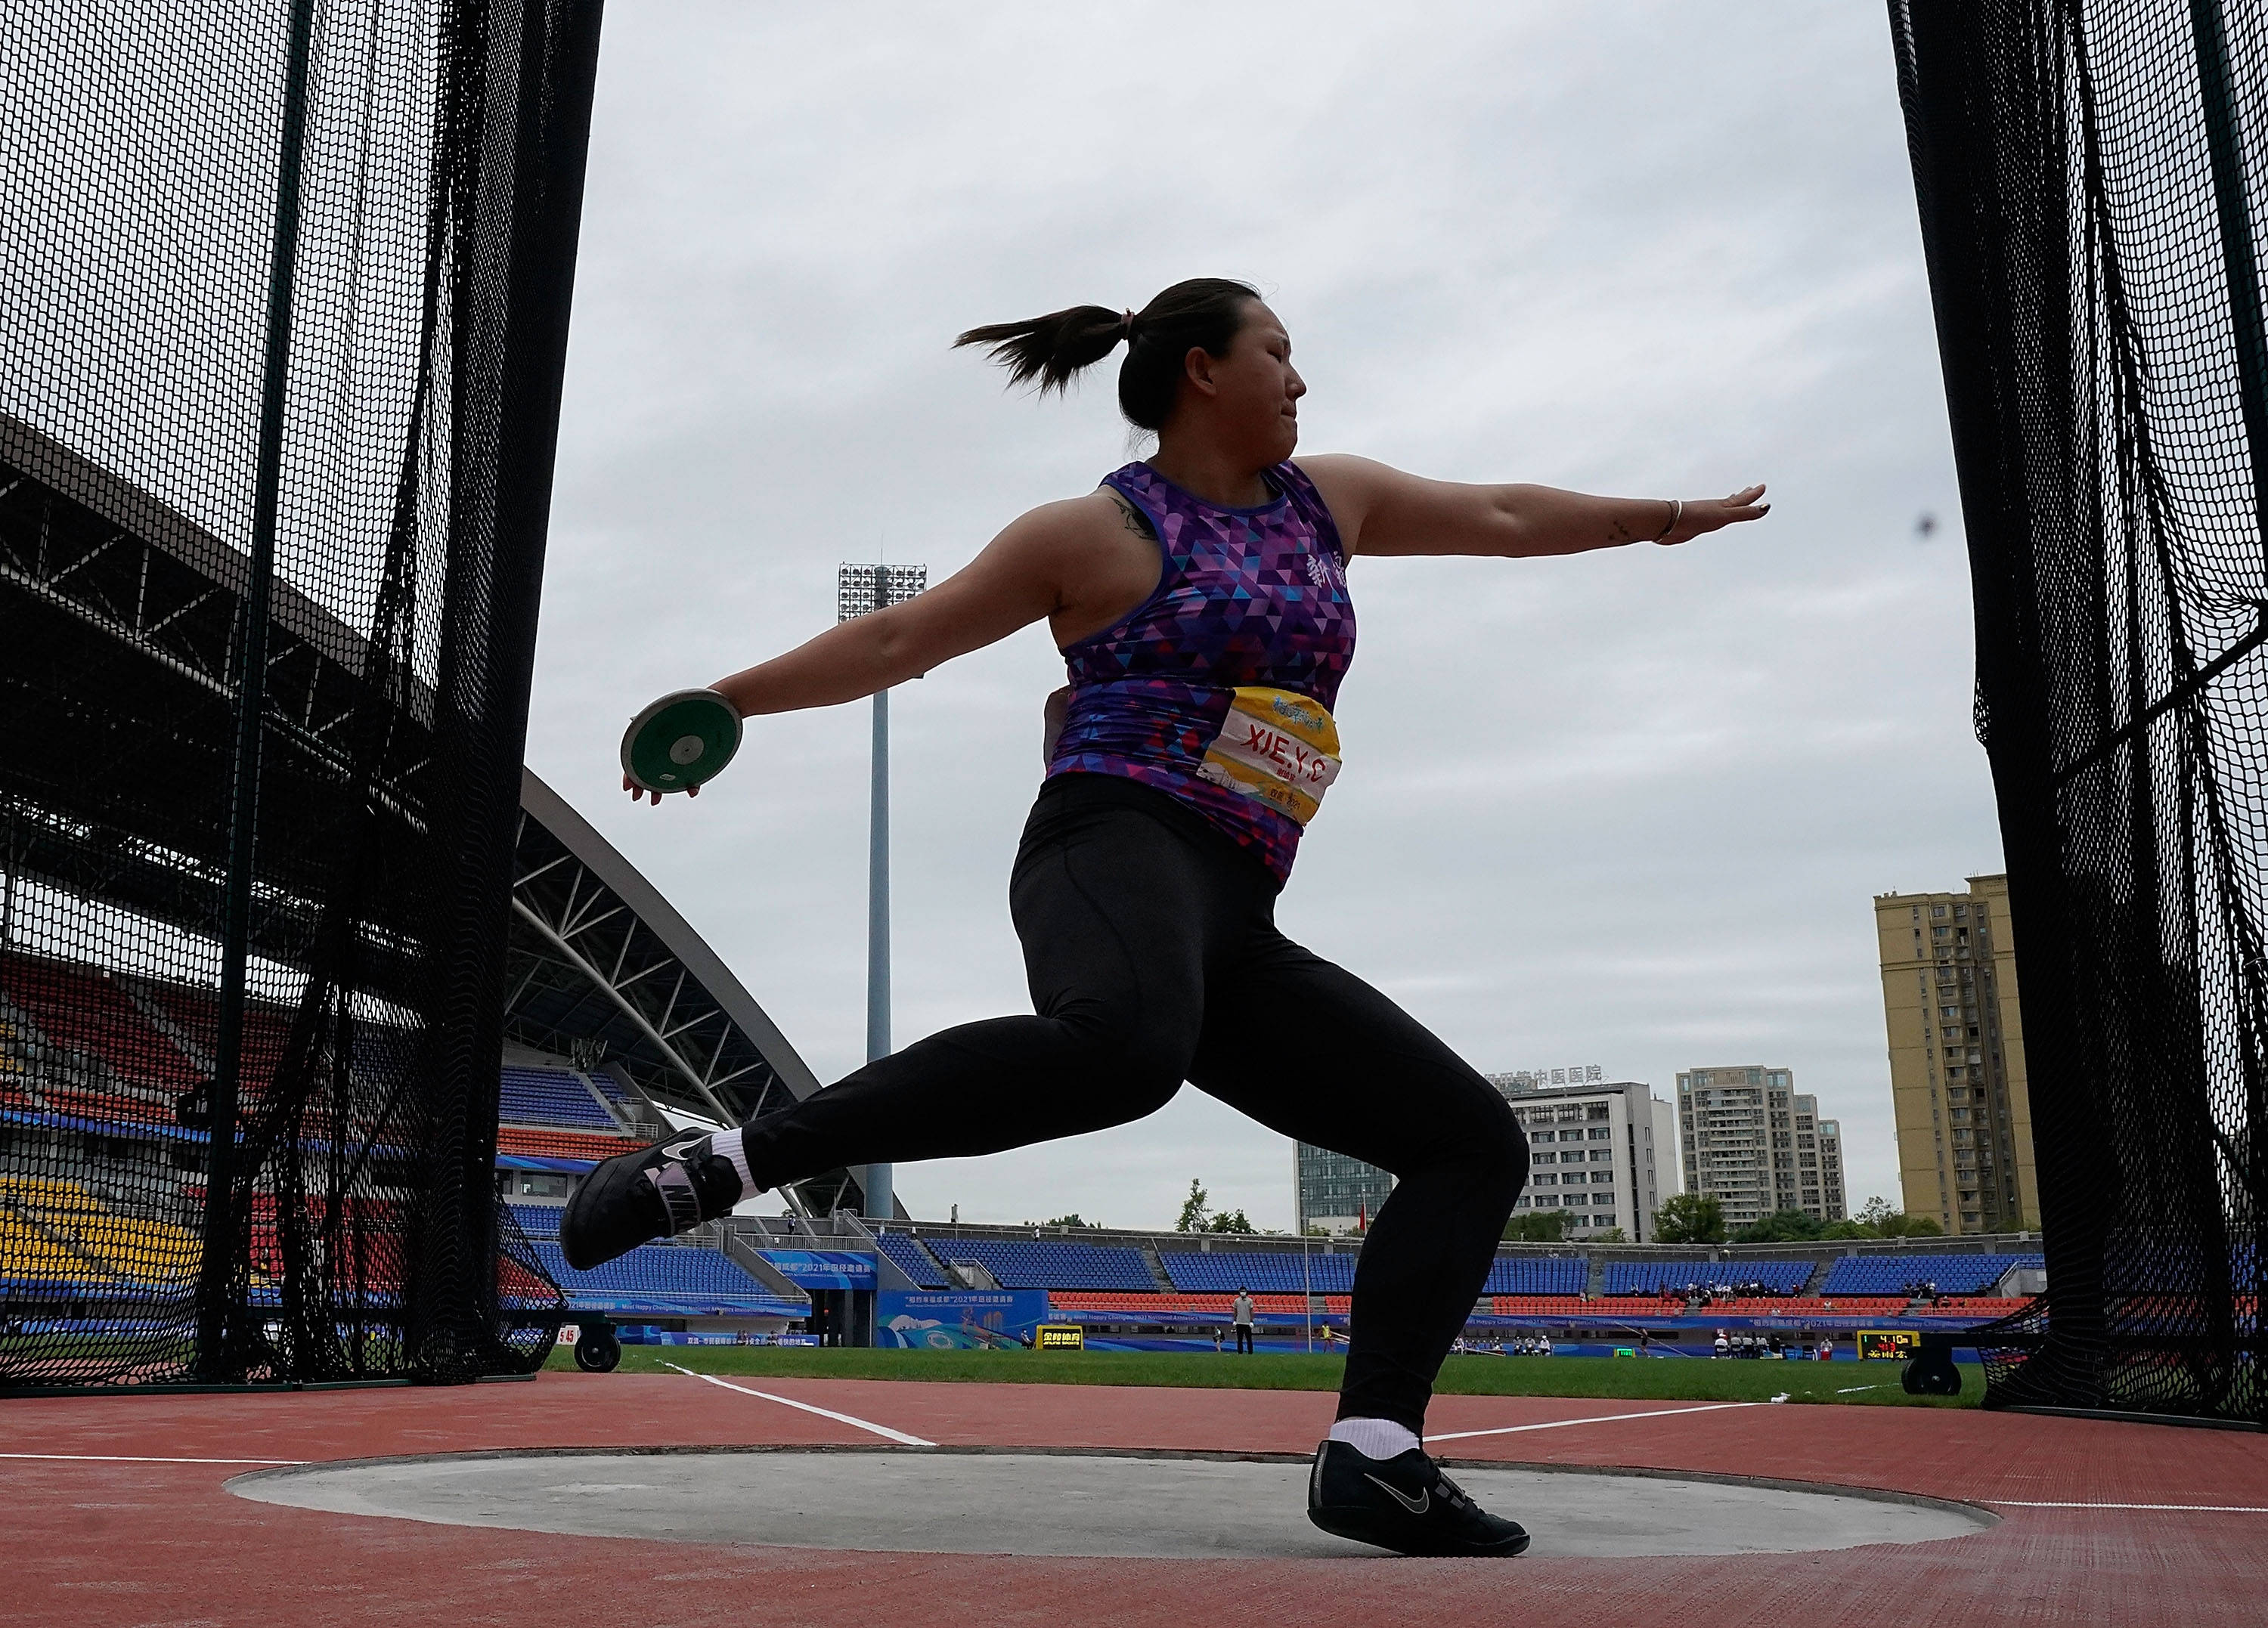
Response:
column 678, row 1150
column 1417, row 1505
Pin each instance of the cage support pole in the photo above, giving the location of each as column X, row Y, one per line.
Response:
column 2240, row 260
column 216, row 1273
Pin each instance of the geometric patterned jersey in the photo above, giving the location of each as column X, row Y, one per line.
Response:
column 1245, row 597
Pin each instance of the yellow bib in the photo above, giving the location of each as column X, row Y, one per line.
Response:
column 1277, row 746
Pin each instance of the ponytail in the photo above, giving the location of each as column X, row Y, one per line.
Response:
column 1055, row 349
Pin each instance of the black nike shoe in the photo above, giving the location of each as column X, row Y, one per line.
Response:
column 1403, row 1503
column 634, row 1198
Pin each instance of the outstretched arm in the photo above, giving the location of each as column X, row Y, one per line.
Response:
column 1016, row 581
column 1381, row 511
column 999, row 591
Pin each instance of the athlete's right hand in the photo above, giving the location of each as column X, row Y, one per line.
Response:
column 637, row 791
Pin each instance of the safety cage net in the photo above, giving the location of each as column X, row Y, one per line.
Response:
column 2091, row 175
column 283, row 293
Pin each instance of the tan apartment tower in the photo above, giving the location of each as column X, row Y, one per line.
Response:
column 1956, row 1042
column 1755, row 1146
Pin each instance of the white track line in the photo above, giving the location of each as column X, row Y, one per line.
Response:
column 121, row 1458
column 1604, row 1418
column 2217, row 1509
column 899, row 1436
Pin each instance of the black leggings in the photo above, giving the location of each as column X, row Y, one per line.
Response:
column 1150, row 941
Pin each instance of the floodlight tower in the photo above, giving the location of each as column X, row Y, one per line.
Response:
column 860, row 589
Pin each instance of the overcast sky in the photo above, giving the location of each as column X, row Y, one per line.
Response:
column 1628, row 808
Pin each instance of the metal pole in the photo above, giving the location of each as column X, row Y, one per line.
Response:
column 2240, row 261
column 1307, row 1282
column 880, row 1204
column 216, row 1272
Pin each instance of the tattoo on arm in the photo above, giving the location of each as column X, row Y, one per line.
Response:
column 1620, row 533
column 1136, row 521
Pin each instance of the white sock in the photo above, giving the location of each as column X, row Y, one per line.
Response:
column 1374, row 1438
column 728, row 1144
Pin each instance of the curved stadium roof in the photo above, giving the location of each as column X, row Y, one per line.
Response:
column 603, row 969
column 142, row 602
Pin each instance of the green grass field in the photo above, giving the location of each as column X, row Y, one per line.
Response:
column 1672, row 1379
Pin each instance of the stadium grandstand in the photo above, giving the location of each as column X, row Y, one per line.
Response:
column 1687, row 1276
column 619, row 1022
column 1171, row 1290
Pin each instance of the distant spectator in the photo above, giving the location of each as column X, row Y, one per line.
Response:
column 1724, row 1348
column 1242, row 1316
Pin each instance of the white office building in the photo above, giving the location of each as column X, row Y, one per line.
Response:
column 1603, row 1153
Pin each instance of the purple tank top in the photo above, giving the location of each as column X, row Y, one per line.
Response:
column 1247, row 599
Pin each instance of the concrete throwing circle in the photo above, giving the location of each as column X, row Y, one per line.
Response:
column 1090, row 1505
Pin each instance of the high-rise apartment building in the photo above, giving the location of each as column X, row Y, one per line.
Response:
column 1596, row 1153
column 1756, row 1146
column 1956, row 1045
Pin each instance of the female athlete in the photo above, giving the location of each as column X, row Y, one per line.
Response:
column 1200, row 599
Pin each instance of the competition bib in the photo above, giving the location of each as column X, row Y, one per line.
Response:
column 1276, row 745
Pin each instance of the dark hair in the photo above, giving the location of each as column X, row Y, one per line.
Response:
column 1056, row 347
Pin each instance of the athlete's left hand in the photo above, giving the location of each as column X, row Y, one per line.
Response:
column 1703, row 515
column 639, row 794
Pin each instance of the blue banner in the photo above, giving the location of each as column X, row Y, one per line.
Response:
column 959, row 1319
column 823, row 1269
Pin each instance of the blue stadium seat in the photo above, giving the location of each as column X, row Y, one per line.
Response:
column 1890, row 1274
column 537, row 1220
column 1044, row 1263
column 1528, row 1274
column 612, row 1090
column 915, row 1261
column 663, row 1280
column 1263, row 1272
column 550, row 1097
column 1651, row 1277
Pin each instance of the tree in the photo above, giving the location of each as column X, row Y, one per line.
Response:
column 1071, row 1220
column 1690, row 1218
column 1779, row 1227
column 1877, row 1220
column 1612, row 1234
column 1229, row 1220
column 1537, row 1226
column 1196, row 1209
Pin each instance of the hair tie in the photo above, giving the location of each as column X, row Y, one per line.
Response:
column 1126, row 327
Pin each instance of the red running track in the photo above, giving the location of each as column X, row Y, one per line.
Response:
column 94, row 1542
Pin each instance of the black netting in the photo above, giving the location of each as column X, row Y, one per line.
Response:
column 2094, row 180
column 283, row 293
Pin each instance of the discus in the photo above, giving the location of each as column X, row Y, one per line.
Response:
column 681, row 741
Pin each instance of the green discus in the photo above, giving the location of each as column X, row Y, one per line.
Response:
column 683, row 739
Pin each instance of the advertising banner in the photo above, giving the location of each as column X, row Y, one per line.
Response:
column 823, row 1269
column 959, row 1318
